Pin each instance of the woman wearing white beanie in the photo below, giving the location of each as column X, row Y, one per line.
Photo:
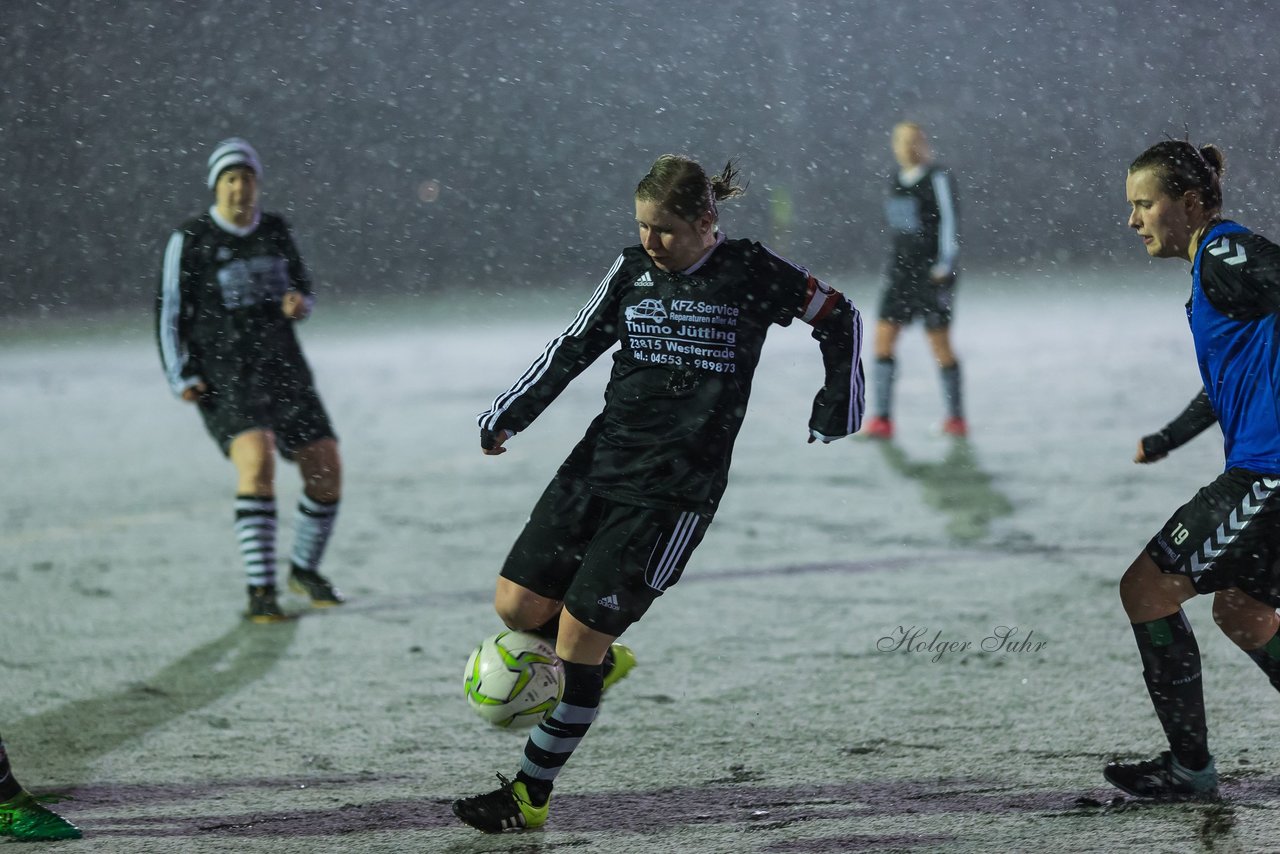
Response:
column 232, row 287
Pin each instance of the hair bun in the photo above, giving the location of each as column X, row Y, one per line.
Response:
column 1214, row 157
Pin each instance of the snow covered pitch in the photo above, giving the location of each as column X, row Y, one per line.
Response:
column 907, row 647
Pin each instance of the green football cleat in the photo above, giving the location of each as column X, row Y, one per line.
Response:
column 27, row 819
column 618, row 662
column 507, row 808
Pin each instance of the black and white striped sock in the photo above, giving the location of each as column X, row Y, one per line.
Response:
column 256, row 531
column 313, row 525
column 553, row 742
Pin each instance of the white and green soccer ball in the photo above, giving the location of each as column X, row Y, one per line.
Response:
column 514, row 679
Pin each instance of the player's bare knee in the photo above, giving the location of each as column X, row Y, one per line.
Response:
column 510, row 615
column 255, row 474
column 1131, row 588
column 323, row 485
column 519, row 613
column 519, row 619
column 1248, row 623
column 1149, row 594
column 321, row 468
column 253, row 455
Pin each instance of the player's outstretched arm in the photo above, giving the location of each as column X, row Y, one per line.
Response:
column 590, row 334
column 1191, row 422
column 839, row 405
column 175, row 309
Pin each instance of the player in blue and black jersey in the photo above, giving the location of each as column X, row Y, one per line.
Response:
column 1226, row 540
column 689, row 309
column 231, row 289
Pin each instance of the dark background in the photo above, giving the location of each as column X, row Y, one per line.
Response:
column 538, row 118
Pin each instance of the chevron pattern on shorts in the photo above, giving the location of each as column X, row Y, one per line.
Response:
column 1233, row 526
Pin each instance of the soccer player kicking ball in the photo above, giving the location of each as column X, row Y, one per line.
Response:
column 616, row 526
column 22, row 816
column 1225, row 540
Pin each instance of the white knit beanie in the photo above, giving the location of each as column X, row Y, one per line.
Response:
column 232, row 152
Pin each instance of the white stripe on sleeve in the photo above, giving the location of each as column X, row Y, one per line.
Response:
column 539, row 367
column 948, row 247
column 173, row 353
column 857, row 382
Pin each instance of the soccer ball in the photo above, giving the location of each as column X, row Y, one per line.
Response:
column 514, row 679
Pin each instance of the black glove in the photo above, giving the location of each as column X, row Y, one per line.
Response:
column 1156, row 446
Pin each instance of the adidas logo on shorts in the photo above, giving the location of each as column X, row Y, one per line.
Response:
column 610, row 601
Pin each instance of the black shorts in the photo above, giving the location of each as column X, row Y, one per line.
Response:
column 910, row 293
column 1228, row 535
column 283, row 400
column 606, row 561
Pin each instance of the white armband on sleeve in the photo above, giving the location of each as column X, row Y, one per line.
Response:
column 819, row 299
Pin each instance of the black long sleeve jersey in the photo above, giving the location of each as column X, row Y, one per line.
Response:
column 218, row 312
column 922, row 216
column 678, row 390
column 1191, row 422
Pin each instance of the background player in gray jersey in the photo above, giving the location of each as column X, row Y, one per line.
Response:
column 920, row 277
column 232, row 287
